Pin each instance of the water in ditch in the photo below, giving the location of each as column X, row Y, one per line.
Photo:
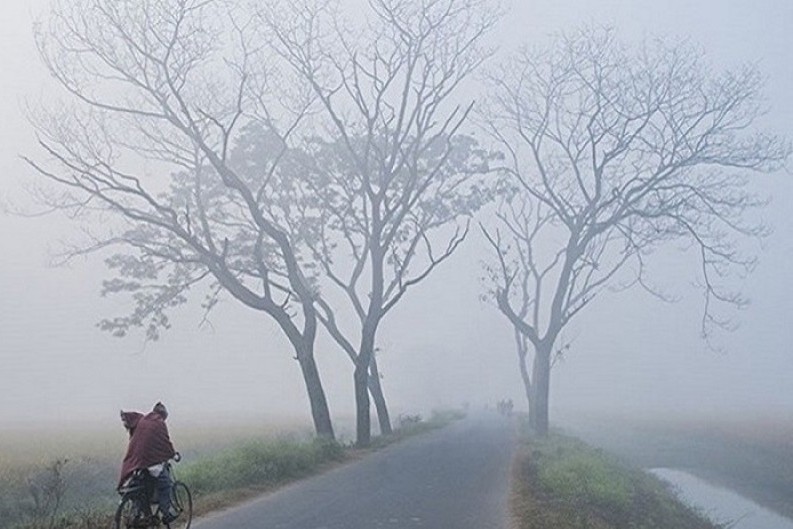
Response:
column 720, row 504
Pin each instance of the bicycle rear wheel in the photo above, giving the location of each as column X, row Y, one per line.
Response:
column 128, row 514
column 182, row 506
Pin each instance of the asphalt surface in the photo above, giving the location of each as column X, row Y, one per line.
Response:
column 455, row 478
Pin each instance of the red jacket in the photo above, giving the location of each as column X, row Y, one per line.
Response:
column 149, row 442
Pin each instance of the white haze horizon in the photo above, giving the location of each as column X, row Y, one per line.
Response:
column 443, row 347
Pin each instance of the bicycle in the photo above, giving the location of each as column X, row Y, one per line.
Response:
column 139, row 495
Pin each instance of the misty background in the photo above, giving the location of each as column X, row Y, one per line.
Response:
column 442, row 346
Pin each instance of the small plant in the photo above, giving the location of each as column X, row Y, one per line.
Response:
column 47, row 490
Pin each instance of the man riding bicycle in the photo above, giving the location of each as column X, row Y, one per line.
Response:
column 150, row 448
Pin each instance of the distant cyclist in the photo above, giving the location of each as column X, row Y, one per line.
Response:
column 150, row 448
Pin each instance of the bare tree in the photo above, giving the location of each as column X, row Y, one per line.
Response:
column 392, row 170
column 149, row 145
column 610, row 154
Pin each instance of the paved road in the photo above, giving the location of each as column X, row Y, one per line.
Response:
column 454, row 478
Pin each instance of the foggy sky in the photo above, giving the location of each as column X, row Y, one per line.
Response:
column 441, row 346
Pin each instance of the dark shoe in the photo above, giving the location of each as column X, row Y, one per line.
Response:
column 168, row 517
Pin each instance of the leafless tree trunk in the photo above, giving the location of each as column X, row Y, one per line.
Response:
column 376, row 391
column 616, row 153
column 522, row 348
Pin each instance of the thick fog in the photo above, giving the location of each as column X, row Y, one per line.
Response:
column 442, row 346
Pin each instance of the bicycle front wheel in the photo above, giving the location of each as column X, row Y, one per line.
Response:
column 182, row 505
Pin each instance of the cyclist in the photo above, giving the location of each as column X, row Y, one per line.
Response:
column 150, row 448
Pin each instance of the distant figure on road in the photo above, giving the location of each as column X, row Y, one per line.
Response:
column 149, row 448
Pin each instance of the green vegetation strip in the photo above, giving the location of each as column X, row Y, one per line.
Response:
column 562, row 483
column 255, row 466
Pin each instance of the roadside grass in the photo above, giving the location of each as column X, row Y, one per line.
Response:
column 233, row 472
column 562, row 483
column 259, row 463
